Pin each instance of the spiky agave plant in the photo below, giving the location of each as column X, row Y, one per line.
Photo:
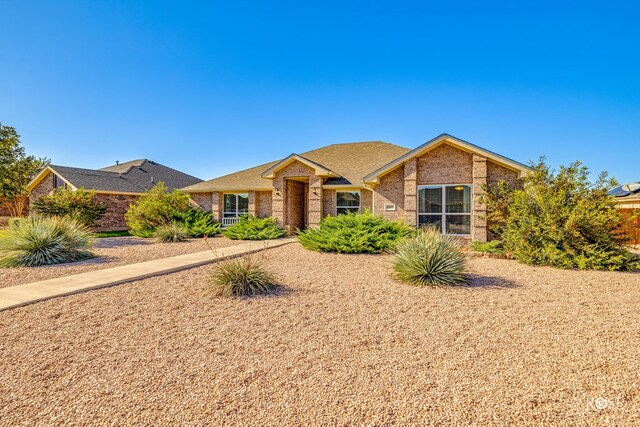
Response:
column 242, row 277
column 429, row 258
column 37, row 240
column 171, row 233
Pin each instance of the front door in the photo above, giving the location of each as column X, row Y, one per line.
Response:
column 297, row 196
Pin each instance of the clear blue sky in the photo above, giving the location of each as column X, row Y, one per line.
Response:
column 212, row 87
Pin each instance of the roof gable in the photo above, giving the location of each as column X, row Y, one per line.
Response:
column 372, row 178
column 319, row 169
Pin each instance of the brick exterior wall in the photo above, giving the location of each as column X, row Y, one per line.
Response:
column 263, row 203
column 117, row 206
column 496, row 173
column 204, row 200
column 366, row 200
column 390, row 189
column 329, row 202
column 445, row 165
column 43, row 188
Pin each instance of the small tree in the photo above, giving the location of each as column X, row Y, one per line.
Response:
column 560, row 218
column 80, row 205
column 16, row 171
column 155, row 208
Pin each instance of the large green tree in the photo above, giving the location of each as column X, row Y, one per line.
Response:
column 16, row 170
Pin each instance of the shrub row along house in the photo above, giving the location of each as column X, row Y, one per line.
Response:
column 116, row 186
column 439, row 183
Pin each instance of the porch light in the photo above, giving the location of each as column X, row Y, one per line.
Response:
column 459, row 187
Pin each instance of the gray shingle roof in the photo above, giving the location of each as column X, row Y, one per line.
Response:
column 136, row 176
column 631, row 190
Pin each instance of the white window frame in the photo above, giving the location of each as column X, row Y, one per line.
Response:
column 444, row 213
column 349, row 207
column 236, row 213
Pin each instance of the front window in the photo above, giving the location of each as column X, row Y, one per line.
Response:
column 445, row 207
column 347, row 201
column 235, row 205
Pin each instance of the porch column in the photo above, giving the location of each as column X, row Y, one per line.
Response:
column 315, row 201
column 411, row 192
column 277, row 200
column 216, row 209
column 479, row 213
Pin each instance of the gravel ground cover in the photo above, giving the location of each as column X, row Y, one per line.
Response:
column 342, row 344
column 111, row 252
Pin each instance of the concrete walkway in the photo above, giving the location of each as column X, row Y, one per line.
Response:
column 16, row 296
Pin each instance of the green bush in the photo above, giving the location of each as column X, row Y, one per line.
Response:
column 155, row 208
column 39, row 240
column 171, row 233
column 80, row 205
column 429, row 258
column 199, row 223
column 250, row 227
column 491, row 247
column 242, row 277
column 560, row 219
column 354, row 233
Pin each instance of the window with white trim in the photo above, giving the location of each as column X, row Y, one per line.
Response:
column 235, row 205
column 347, row 201
column 445, row 207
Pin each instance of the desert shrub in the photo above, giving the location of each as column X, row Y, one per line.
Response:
column 171, row 233
column 250, row 227
column 39, row 240
column 199, row 223
column 156, row 207
column 354, row 232
column 80, row 205
column 560, row 218
column 491, row 247
column 429, row 258
column 244, row 276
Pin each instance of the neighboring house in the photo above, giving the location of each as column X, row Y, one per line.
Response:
column 628, row 198
column 439, row 183
column 117, row 186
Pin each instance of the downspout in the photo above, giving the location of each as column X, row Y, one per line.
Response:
column 373, row 197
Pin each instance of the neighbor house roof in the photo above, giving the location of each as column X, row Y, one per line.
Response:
column 343, row 164
column 136, row 176
column 626, row 192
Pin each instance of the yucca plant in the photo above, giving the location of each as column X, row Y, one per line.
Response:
column 429, row 258
column 171, row 233
column 36, row 240
column 244, row 276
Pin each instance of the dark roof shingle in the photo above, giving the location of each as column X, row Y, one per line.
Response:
column 136, row 176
